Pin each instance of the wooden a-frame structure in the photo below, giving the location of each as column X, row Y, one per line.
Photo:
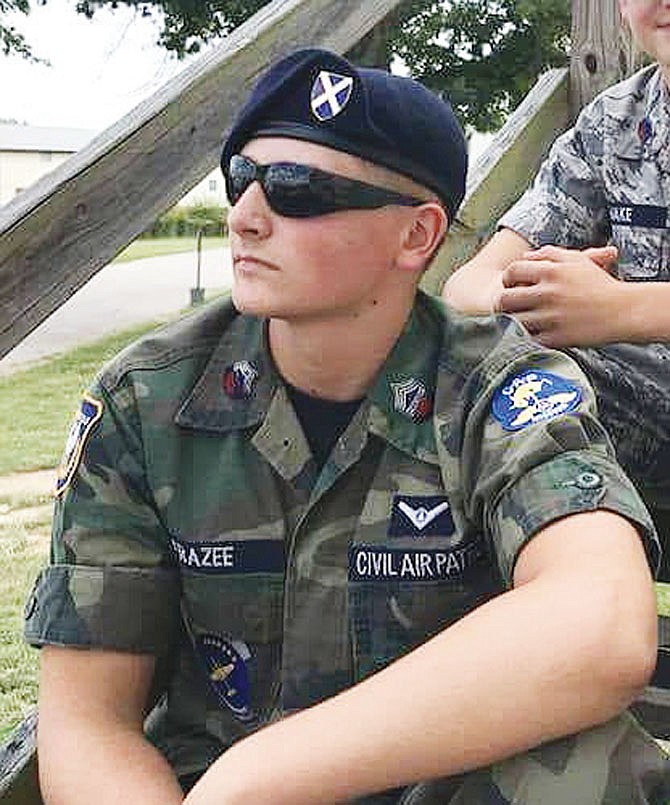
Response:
column 58, row 233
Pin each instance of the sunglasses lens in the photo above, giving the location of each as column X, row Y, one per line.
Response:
column 241, row 173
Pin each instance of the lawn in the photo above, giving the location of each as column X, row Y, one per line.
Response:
column 156, row 247
column 37, row 404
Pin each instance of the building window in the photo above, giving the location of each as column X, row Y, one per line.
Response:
column 212, row 185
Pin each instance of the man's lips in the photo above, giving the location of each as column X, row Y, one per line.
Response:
column 249, row 261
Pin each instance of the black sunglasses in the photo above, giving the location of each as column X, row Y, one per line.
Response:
column 299, row 191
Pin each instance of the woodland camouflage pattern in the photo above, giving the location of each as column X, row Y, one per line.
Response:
column 606, row 181
column 195, row 527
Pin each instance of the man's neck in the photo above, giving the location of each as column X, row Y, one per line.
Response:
column 335, row 360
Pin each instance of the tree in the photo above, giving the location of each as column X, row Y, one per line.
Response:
column 11, row 41
column 484, row 54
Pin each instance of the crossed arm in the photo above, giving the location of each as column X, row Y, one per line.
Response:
column 488, row 687
column 564, row 297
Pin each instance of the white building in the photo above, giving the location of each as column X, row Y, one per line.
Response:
column 28, row 152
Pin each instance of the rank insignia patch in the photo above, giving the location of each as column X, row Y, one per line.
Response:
column 421, row 516
column 239, row 380
column 532, row 397
column 330, row 94
column 410, row 398
column 85, row 419
column 225, row 663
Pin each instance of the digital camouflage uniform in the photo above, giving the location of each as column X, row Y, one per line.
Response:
column 192, row 523
column 607, row 180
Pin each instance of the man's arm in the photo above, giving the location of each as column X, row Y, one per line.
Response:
column 568, row 647
column 476, row 286
column 91, row 746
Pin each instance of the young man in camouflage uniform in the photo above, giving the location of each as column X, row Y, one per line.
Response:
column 605, row 184
column 362, row 542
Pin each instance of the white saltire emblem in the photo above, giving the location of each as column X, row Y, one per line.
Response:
column 422, row 516
column 330, row 94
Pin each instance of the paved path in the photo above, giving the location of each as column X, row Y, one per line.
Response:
column 120, row 296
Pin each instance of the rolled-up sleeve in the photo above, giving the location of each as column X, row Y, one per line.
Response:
column 534, row 451
column 112, row 582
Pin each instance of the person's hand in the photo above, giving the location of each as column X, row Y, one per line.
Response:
column 565, row 297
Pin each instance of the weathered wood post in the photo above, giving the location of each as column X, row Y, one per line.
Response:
column 602, row 50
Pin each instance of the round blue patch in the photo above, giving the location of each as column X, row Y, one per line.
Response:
column 226, row 665
column 534, row 396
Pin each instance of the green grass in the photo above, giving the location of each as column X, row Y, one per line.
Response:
column 37, row 404
column 23, row 551
column 156, row 247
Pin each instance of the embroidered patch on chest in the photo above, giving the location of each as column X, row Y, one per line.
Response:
column 420, row 515
column 225, row 663
column 534, row 396
column 87, row 416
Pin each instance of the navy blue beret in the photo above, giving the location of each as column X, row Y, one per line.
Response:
column 390, row 120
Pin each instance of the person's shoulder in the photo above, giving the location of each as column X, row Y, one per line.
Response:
column 191, row 339
column 625, row 98
column 470, row 342
column 634, row 87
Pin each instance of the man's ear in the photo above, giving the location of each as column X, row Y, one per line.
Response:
column 423, row 236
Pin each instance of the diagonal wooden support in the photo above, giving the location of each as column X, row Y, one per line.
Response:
column 55, row 236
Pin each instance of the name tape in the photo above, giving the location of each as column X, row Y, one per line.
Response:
column 645, row 215
column 235, row 556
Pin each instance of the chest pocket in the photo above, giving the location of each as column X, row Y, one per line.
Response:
column 232, row 595
column 410, row 576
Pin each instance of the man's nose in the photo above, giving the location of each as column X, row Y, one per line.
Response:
column 251, row 216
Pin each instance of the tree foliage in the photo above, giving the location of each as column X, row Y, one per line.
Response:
column 484, row 54
column 11, row 40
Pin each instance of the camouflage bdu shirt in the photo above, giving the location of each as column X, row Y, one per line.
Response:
column 192, row 523
column 607, row 180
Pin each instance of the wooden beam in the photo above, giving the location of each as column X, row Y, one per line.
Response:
column 57, row 234
column 602, row 50
column 504, row 171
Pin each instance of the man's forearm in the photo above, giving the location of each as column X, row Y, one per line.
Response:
column 475, row 287
column 490, row 686
column 82, row 764
column 647, row 317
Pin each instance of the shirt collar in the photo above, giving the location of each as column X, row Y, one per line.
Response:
column 236, row 389
column 645, row 134
column 238, row 383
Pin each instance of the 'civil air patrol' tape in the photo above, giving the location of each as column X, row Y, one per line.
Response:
column 534, row 396
column 87, row 416
column 387, row 563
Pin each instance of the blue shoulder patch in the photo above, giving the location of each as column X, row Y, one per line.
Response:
column 534, row 396
column 86, row 417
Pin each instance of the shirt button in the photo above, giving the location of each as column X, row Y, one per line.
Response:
column 589, row 480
